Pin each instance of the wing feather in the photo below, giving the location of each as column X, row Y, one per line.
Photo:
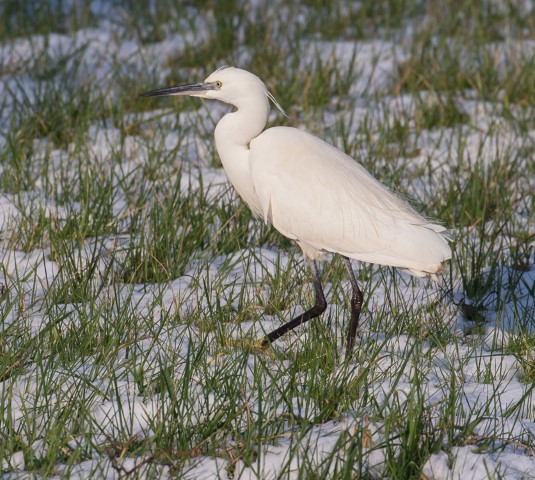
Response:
column 317, row 195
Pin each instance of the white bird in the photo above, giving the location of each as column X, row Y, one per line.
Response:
column 313, row 193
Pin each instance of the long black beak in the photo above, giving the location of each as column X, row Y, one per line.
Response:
column 192, row 89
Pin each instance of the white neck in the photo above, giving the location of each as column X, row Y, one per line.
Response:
column 233, row 134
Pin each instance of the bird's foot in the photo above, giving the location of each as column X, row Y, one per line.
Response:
column 251, row 345
column 262, row 345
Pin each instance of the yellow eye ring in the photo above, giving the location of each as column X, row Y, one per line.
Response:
column 218, row 84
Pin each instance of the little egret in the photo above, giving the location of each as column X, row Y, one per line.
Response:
column 313, row 193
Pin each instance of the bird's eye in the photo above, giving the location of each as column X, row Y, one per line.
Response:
column 218, row 84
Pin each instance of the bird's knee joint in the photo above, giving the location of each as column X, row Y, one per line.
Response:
column 321, row 305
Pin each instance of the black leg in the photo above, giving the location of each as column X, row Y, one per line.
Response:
column 356, row 304
column 314, row 312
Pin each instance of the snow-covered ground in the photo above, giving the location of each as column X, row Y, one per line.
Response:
column 468, row 376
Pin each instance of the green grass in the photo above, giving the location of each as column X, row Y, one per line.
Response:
column 35, row 17
column 164, row 280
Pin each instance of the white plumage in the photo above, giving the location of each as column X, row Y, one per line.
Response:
column 313, row 193
column 339, row 207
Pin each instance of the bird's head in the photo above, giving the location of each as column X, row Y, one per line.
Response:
column 227, row 84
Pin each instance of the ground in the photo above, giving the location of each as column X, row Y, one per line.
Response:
column 134, row 284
